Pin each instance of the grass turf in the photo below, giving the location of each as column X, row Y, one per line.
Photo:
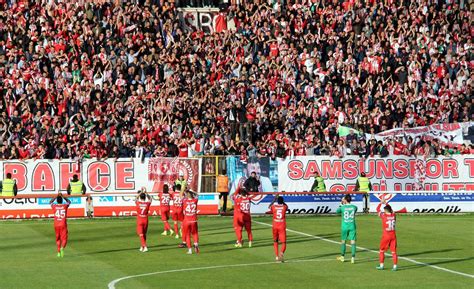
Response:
column 101, row 250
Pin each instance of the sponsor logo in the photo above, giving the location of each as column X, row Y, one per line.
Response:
column 45, row 201
column 317, row 210
column 20, row 201
column 448, row 209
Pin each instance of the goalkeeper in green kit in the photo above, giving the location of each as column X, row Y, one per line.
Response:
column 348, row 226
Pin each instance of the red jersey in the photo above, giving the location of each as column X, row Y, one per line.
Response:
column 165, row 201
column 177, row 200
column 279, row 213
column 388, row 222
column 60, row 214
column 190, row 210
column 242, row 205
column 142, row 209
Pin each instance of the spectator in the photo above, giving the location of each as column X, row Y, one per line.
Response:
column 124, row 76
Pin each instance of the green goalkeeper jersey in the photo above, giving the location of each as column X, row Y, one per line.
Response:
column 348, row 212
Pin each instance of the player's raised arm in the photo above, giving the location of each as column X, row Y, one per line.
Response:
column 273, row 201
column 66, row 199
column 339, row 209
column 382, row 202
column 53, row 199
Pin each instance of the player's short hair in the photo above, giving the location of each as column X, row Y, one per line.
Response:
column 142, row 196
column 388, row 208
column 59, row 199
column 362, row 174
column 177, row 187
column 280, row 200
column 348, row 198
column 243, row 192
column 166, row 189
column 9, row 175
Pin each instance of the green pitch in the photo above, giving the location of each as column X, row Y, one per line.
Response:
column 102, row 250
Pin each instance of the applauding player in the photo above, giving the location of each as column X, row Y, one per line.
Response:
column 165, row 199
column 242, row 217
column 279, row 226
column 190, row 226
column 348, row 226
column 389, row 238
column 177, row 209
column 143, row 202
column 60, row 221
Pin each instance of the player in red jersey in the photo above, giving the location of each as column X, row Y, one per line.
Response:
column 165, row 199
column 389, row 238
column 177, row 209
column 143, row 202
column 279, row 226
column 242, row 217
column 190, row 226
column 60, row 221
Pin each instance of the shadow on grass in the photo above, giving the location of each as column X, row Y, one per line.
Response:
column 430, row 252
column 267, row 242
column 417, row 266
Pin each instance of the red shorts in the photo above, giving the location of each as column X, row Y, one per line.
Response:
column 165, row 214
column 242, row 220
column 61, row 232
column 142, row 227
column 279, row 232
column 177, row 214
column 190, row 228
column 388, row 241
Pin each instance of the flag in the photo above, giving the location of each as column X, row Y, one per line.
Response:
column 344, row 131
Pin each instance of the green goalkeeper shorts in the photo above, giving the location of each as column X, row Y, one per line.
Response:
column 348, row 234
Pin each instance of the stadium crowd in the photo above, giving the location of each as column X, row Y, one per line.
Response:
column 118, row 79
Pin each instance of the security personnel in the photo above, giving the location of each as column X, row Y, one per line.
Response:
column 8, row 187
column 223, row 189
column 76, row 187
column 182, row 182
column 318, row 185
column 363, row 185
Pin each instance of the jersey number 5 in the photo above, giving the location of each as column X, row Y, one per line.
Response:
column 279, row 214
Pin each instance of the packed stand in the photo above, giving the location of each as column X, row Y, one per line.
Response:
column 125, row 80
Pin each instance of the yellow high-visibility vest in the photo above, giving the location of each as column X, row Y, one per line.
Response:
column 76, row 188
column 364, row 184
column 7, row 188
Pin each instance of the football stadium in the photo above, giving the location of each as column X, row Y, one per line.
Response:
column 217, row 144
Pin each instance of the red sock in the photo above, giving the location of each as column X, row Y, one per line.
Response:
column 176, row 230
column 283, row 247
column 395, row 258
column 238, row 232
column 381, row 256
column 196, row 237
column 275, row 247
column 64, row 242
column 58, row 244
column 248, row 228
column 143, row 240
column 167, row 226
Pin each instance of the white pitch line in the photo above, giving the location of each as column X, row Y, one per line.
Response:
column 366, row 249
column 112, row 284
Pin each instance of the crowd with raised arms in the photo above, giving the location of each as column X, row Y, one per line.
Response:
column 115, row 79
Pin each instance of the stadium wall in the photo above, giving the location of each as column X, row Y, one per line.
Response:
column 446, row 181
